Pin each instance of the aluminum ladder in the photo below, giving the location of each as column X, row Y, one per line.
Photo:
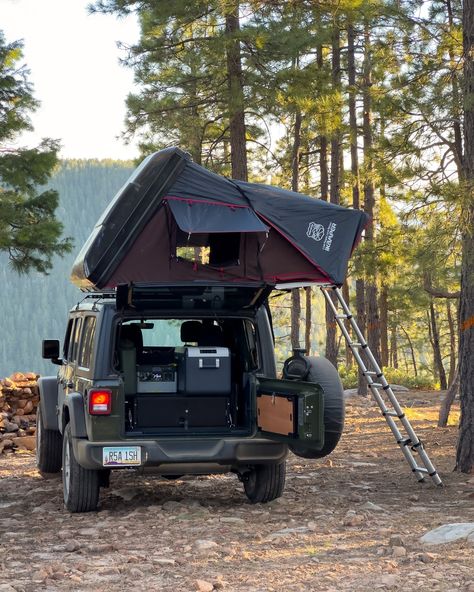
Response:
column 410, row 445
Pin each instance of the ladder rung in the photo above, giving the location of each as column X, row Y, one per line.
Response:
column 376, row 385
column 393, row 414
column 371, row 373
column 343, row 316
column 421, row 470
column 356, row 344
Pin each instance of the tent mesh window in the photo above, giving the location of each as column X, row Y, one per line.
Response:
column 217, row 249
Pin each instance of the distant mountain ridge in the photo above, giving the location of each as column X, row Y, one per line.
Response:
column 34, row 307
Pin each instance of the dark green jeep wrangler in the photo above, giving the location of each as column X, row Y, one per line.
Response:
column 180, row 380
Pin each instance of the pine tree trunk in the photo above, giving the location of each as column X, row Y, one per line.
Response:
column 465, row 448
column 452, row 344
column 351, row 71
column 331, row 342
column 437, row 358
column 373, row 321
column 384, row 325
column 323, row 143
column 412, row 352
column 237, row 132
column 346, row 296
column 448, row 399
column 393, row 348
column 361, row 321
column 308, row 319
column 295, row 317
column 295, row 294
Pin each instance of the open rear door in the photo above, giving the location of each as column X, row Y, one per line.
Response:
column 292, row 412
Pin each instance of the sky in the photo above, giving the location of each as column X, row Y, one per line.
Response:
column 74, row 66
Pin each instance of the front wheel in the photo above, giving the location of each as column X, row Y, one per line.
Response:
column 48, row 447
column 264, row 483
column 80, row 486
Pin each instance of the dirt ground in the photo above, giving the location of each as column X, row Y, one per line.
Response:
column 201, row 533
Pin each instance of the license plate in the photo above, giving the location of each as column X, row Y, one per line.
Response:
column 121, row 456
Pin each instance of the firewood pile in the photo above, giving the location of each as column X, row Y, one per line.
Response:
column 19, row 398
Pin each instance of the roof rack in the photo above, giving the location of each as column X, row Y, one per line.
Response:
column 96, row 296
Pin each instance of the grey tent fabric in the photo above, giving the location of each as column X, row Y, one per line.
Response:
column 267, row 233
column 202, row 216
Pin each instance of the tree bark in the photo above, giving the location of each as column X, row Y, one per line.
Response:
column 393, row 348
column 384, row 325
column 308, row 320
column 295, row 317
column 465, row 448
column 346, row 296
column 437, row 358
column 323, row 145
column 412, row 351
column 373, row 321
column 452, row 344
column 352, row 91
column 237, row 129
column 448, row 399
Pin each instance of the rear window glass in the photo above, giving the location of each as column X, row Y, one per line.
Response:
column 87, row 342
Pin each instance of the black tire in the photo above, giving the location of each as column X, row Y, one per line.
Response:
column 264, row 483
column 322, row 372
column 80, row 486
column 49, row 446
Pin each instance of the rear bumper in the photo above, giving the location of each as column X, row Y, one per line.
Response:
column 170, row 456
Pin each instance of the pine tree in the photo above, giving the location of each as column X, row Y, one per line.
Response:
column 29, row 232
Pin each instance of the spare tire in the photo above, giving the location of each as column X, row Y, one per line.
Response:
column 322, row 372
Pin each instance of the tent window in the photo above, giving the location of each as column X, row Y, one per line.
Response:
column 217, row 249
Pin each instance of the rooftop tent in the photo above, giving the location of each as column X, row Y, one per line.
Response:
column 171, row 206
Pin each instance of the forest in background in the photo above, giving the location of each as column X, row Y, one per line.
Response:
column 35, row 306
column 357, row 103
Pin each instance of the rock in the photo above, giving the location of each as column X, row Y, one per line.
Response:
column 203, row 586
column 9, row 426
column 396, row 540
column 389, row 580
column 72, row 546
column 7, row 588
column 172, row 506
column 26, row 442
column 232, row 519
column 372, row 507
column 426, row 557
column 355, row 520
column 287, row 531
column 205, row 546
column 399, row 552
column 163, row 561
column 28, row 408
column 447, row 533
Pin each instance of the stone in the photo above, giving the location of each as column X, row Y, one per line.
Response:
column 396, row 540
column 72, row 546
column 10, row 426
column 389, row 580
column 205, row 546
column 26, row 442
column 7, row 588
column 399, row 552
column 447, row 533
column 232, row 519
column 426, row 557
column 372, row 507
column 163, row 561
column 172, row 506
column 203, row 586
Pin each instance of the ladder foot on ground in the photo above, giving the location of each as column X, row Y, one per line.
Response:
column 381, row 390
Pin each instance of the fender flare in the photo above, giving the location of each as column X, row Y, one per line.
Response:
column 73, row 413
column 48, row 392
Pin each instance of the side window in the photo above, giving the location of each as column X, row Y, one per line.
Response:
column 75, row 341
column 87, row 342
column 67, row 340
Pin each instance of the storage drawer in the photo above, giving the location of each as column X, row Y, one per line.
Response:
column 164, row 411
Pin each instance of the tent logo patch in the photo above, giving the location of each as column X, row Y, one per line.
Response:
column 315, row 231
column 329, row 236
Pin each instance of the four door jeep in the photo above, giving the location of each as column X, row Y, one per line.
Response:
column 180, row 380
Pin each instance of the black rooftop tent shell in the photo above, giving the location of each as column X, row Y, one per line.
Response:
column 255, row 232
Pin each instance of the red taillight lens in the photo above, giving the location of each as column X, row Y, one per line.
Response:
column 100, row 402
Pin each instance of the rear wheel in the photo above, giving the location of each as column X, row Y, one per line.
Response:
column 80, row 486
column 48, row 447
column 264, row 483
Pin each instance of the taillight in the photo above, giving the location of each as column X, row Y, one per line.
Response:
column 100, row 401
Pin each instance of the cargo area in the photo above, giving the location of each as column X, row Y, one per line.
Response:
column 183, row 376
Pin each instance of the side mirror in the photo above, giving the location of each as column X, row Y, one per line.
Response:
column 51, row 350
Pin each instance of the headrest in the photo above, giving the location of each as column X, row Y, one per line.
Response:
column 132, row 333
column 191, row 331
column 211, row 335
